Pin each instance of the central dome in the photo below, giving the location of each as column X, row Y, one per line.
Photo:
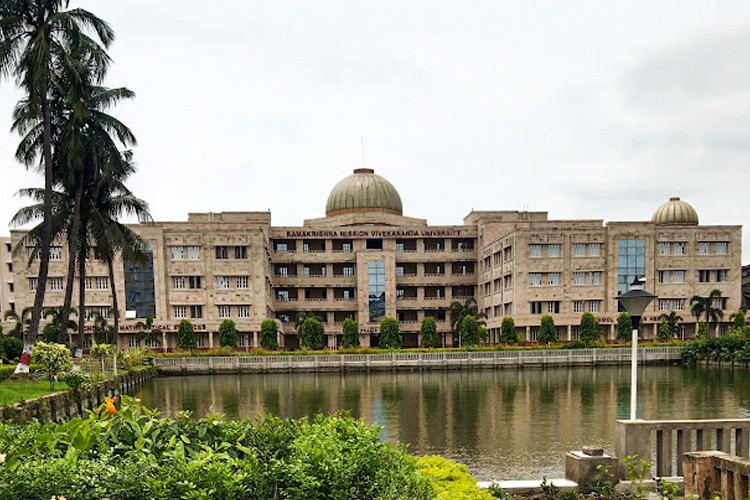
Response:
column 675, row 211
column 363, row 191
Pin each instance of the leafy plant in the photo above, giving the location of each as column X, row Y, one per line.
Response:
column 508, row 333
column 54, row 358
column 636, row 471
column 547, row 330
column 269, row 335
column 624, row 327
column 186, row 335
column 311, row 333
column 228, row 333
column 603, row 487
column 589, row 328
column 471, row 331
column 428, row 331
column 666, row 490
column 351, row 334
column 450, row 480
column 550, row 490
column 389, row 334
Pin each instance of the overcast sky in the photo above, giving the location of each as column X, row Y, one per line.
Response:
column 584, row 109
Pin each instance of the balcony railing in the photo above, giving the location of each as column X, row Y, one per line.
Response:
column 434, row 298
column 406, row 297
column 316, row 299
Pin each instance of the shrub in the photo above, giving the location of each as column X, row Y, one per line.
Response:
column 624, row 327
column 547, row 331
column 390, row 338
column 134, row 356
column 186, row 335
column 508, row 333
column 311, row 333
column 471, row 331
column 428, row 330
column 589, row 327
column 12, row 347
column 228, row 334
column 351, row 334
column 450, row 479
column 54, row 358
column 269, row 335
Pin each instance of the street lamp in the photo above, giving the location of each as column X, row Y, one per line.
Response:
column 635, row 302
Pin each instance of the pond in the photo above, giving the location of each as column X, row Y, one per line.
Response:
column 503, row 424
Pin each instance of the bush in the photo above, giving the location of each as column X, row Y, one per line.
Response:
column 132, row 454
column 547, row 331
column 12, row 347
column 450, row 480
column 186, row 335
column 269, row 335
column 134, row 356
column 351, row 334
column 624, row 327
column 589, row 328
column 428, row 330
column 311, row 334
column 508, row 333
column 471, row 331
column 54, row 358
column 390, row 337
column 228, row 334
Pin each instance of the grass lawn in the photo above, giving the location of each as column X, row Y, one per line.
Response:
column 15, row 391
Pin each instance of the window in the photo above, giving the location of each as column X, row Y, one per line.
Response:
column 399, row 247
column 678, row 276
column 180, row 312
column 194, row 252
column 595, row 249
column 703, row 247
column 33, row 283
column 376, row 289
column 400, row 271
column 222, row 282
column 240, row 253
column 581, row 306
column 282, row 295
column 132, row 341
column 678, row 248
column 553, row 278
column 243, row 311
column 631, row 262
column 704, row 276
column 10, row 267
column 347, row 247
column 507, row 281
column 535, row 250
column 178, row 252
column 722, row 274
column 664, row 248
column 534, row 334
column 671, row 276
column 579, row 250
column 243, row 282
column 671, row 304
column 508, row 308
column 224, row 311
column 349, row 271
column 306, row 247
column 55, row 253
column 282, row 248
column 56, row 284
column 282, row 271
column 195, row 282
column 347, row 294
column 102, row 283
column 595, row 277
column 399, row 293
column 721, row 247
column 222, row 253
column 553, row 250
column 196, row 311
column 178, row 282
column 535, row 307
column 306, row 271
column 579, row 278
column 200, row 340
column 720, row 303
column 553, row 307
column 11, row 288
column 88, row 284
column 535, row 279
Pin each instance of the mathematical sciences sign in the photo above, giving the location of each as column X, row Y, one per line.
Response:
column 374, row 233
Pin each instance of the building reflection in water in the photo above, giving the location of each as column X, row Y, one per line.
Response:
column 504, row 424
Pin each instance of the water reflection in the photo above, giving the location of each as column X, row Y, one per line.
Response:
column 505, row 424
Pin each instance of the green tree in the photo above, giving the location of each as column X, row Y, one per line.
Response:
column 390, row 337
column 311, row 333
column 351, row 334
column 624, row 327
column 269, row 335
column 738, row 319
column 547, row 330
column 457, row 311
column 36, row 36
column 53, row 331
column 54, row 358
column 228, row 334
column 147, row 333
column 670, row 323
column 186, row 335
column 22, row 322
column 102, row 331
column 428, row 331
column 589, row 328
column 471, row 331
column 508, row 333
column 706, row 306
column 102, row 353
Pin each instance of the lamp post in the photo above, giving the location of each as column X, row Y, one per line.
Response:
column 635, row 302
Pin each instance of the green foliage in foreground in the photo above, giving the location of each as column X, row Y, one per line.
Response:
column 350, row 338
column 450, row 480
column 228, row 333
column 269, row 335
column 732, row 347
column 390, row 337
column 135, row 454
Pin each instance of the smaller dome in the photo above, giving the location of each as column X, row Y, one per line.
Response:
column 363, row 191
column 675, row 211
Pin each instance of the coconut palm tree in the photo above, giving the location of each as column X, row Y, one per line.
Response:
column 672, row 319
column 22, row 320
column 458, row 311
column 34, row 39
column 705, row 306
column 55, row 329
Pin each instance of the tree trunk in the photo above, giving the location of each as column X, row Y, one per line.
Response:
column 115, row 308
column 46, row 241
column 72, row 256
column 81, row 295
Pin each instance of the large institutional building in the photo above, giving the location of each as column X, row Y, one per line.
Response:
column 366, row 260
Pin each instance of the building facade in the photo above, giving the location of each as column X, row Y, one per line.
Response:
column 365, row 260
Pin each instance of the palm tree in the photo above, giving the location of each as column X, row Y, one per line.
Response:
column 22, row 321
column 700, row 306
column 738, row 319
column 56, row 325
column 672, row 319
column 458, row 311
column 147, row 332
column 34, row 38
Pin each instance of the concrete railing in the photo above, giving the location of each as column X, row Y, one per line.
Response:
column 663, row 442
column 712, row 473
column 412, row 361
